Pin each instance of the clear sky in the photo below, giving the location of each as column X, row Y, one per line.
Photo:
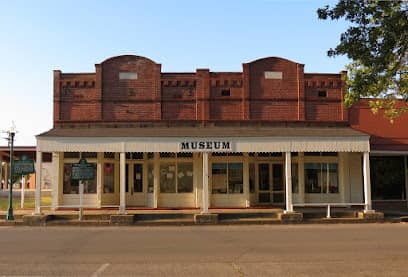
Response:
column 40, row 36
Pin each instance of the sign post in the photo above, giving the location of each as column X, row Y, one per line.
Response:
column 82, row 171
column 23, row 167
column 22, row 190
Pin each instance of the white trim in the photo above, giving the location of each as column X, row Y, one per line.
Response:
column 171, row 144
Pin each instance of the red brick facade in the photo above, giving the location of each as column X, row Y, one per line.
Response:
column 287, row 95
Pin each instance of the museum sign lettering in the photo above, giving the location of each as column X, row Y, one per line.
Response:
column 205, row 146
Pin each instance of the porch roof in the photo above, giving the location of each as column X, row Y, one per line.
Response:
column 242, row 139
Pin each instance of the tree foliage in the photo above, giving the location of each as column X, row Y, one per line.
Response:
column 377, row 43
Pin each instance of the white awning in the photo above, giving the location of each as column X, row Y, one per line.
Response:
column 172, row 144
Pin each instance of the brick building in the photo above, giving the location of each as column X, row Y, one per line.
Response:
column 269, row 135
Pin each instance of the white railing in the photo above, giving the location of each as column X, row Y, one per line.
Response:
column 328, row 206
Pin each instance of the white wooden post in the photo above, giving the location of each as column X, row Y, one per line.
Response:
column 301, row 176
column 288, row 182
column 204, row 208
column 122, row 180
column 246, row 180
column 367, row 182
column 81, row 199
column 23, row 184
column 156, row 180
column 38, row 183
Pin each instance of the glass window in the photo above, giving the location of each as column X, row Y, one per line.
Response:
column 219, row 178
column 167, row 177
column 295, row 178
column 137, row 178
column 251, row 177
column 235, row 178
column 72, row 186
column 263, row 171
column 185, row 177
column 127, row 178
column 321, row 178
column 227, row 177
column 69, row 186
column 150, row 178
column 108, row 177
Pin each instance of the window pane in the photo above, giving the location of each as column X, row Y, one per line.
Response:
column 108, row 177
column 127, row 178
column 295, row 178
column 137, row 178
column 167, row 177
column 219, row 178
column 313, row 178
column 150, row 178
column 251, row 177
column 263, row 176
column 69, row 186
column 277, row 173
column 185, row 177
column 235, row 178
column 333, row 178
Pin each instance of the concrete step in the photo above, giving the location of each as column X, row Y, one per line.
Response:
column 244, row 215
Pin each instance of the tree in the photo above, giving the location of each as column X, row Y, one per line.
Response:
column 377, row 44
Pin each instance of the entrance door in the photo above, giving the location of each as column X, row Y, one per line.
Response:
column 270, row 183
column 134, row 184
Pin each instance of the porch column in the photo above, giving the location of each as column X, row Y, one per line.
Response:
column 288, row 182
column 246, row 180
column 38, row 166
column 122, row 180
column 301, row 176
column 367, row 181
column 99, row 177
column 156, row 179
column 204, row 208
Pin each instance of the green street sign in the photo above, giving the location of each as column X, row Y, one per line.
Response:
column 83, row 171
column 23, row 166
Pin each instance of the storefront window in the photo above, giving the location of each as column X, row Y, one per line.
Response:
column 295, row 178
column 167, row 177
column 251, row 177
column 72, row 186
column 176, row 177
column 150, row 178
column 219, row 178
column 185, row 177
column 137, row 178
column 227, row 177
column 321, row 178
column 108, row 177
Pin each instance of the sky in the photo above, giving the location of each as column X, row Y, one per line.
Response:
column 72, row 36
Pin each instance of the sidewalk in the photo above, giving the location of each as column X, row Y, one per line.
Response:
column 154, row 217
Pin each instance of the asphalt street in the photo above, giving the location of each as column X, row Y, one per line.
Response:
column 263, row 250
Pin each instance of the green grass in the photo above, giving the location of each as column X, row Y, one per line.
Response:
column 28, row 202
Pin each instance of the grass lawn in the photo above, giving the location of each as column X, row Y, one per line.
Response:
column 28, row 202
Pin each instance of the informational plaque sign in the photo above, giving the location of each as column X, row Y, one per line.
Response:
column 23, row 166
column 83, row 171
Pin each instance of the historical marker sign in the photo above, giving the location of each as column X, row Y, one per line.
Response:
column 83, row 171
column 23, row 166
